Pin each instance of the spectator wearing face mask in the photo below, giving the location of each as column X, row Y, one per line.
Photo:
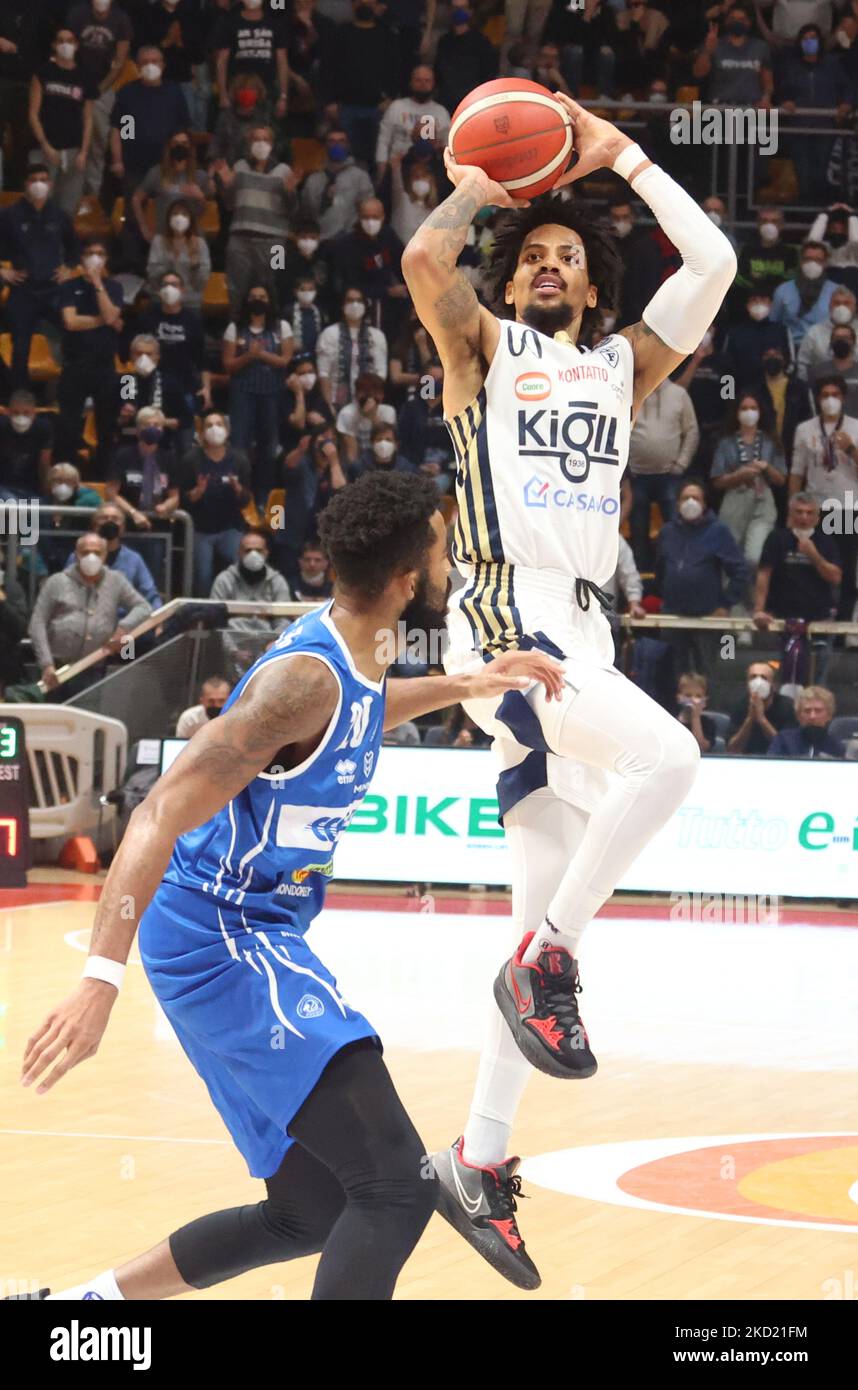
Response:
column 361, row 71
column 816, row 344
column 347, row 349
column 357, row 420
column 783, row 397
column 738, row 65
column 104, row 33
column 412, row 118
column 26, row 448
column 838, row 229
column 844, row 364
column 332, row 195
column 77, row 611
column 304, row 316
column 641, row 260
column 60, row 107
column 369, row 257
column 252, row 580
column 752, row 336
column 814, row 708
column 305, row 259
column 260, row 190
column 747, row 465
column 178, row 331
column 214, row 694
column 586, row 37
column 142, row 481
column 767, row 259
column 175, row 179
column 109, row 523
column 257, row 349
column 180, row 249
column 716, row 210
column 310, row 475
column 64, row 488
column 304, row 406
column 414, row 194
column 91, row 307
column 464, row 57
column 252, row 40
column 158, row 110
column 39, row 241
column 177, row 28
column 382, row 454
column 149, row 385
column 692, row 694
column 248, row 105
column 798, row 568
column 214, row 481
column 825, row 464
column 764, row 713
column 805, row 301
column 663, row 443
column 701, row 570
column 812, row 77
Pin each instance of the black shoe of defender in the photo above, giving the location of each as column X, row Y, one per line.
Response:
column 539, row 1001
column 480, row 1204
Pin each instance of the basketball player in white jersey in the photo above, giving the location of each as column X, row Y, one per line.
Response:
column 541, row 430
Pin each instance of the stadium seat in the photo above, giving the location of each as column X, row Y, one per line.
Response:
column 844, row 726
column 688, row 94
column 117, row 217
column 721, row 722
column 41, row 366
column 8, row 196
column 841, row 675
column 216, row 295
column 209, row 223
column 307, row 155
column 276, row 498
column 251, row 514
column 96, row 487
column 90, row 218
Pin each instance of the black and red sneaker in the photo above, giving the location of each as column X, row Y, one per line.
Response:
column 540, row 1003
column 481, row 1204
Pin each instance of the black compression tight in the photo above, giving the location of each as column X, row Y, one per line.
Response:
column 355, row 1185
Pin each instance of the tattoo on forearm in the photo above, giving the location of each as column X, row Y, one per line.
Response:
column 453, row 217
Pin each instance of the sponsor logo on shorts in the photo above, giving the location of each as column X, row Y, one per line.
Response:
column 532, row 386
column 310, row 1007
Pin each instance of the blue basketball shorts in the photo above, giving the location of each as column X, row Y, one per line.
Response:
column 257, row 1013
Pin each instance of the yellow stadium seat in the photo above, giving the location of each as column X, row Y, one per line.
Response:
column 8, row 196
column 276, row 498
column 307, row 155
column 689, row 93
column 41, row 366
column 117, row 217
column 96, row 487
column 90, row 434
column 90, row 218
column 209, row 223
column 215, row 294
column 128, row 74
column 250, row 514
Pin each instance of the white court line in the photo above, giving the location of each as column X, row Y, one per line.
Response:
column 137, row 1138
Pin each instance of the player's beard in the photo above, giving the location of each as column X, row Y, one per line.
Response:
column 428, row 608
column 548, row 318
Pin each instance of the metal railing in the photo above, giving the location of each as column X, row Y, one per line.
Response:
column 15, row 543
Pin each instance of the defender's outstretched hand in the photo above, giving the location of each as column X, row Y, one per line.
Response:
column 516, row 671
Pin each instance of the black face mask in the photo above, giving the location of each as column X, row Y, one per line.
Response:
column 773, row 366
column 258, row 306
column 841, row 348
column 179, row 152
column 737, row 29
column 837, row 239
column 212, row 711
column 109, row 530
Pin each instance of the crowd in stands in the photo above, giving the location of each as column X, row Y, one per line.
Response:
column 203, row 208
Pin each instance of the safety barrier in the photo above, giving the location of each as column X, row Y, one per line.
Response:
column 74, row 758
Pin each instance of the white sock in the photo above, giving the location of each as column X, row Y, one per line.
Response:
column 103, row 1288
column 503, row 1073
column 548, row 936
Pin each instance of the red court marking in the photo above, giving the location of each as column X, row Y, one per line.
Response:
column 694, row 1179
column 463, row 905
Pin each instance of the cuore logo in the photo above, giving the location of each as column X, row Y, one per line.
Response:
column 532, row 386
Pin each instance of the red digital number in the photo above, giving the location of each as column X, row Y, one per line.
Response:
column 10, row 825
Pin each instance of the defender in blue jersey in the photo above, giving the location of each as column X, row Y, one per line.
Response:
column 225, row 865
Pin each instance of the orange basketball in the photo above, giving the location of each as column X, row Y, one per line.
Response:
column 516, row 131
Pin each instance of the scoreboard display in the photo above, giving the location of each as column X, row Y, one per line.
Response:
column 14, row 805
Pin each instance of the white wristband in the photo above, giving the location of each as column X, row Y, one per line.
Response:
column 102, row 968
column 628, row 160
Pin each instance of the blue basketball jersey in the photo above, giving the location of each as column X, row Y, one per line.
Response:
column 269, row 852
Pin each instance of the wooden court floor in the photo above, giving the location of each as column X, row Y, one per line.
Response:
column 128, row 1147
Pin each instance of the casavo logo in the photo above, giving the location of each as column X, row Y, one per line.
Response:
column 473, row 818
column 532, row 386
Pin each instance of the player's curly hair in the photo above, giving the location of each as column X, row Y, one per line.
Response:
column 604, row 263
column 378, row 527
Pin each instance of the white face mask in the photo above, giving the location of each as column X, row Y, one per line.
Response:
column 101, row 6
column 254, row 561
column 690, row 509
column 66, row 51
column 383, row 449
column 305, row 297
column 144, row 364
column 749, row 418
column 260, row 149
column 90, row 564
column 715, row 217
column 151, row 72
column 811, row 270
column 307, row 245
column 307, row 380
column 802, row 533
column 371, row 225
column 841, row 314
column 216, row 434
column 180, row 222
column 354, row 311
column 758, row 685
column 62, row 491
column 758, row 312
column 769, row 232
column 831, row 407
column 171, row 294
column 623, row 227
column 21, row 423
column 94, row 262
column 39, row 190
column 421, row 188
column 658, row 96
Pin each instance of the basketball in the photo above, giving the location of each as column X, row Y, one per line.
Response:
column 516, row 131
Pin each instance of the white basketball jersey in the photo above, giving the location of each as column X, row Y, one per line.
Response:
column 540, row 453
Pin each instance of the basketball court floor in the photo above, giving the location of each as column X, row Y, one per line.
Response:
column 714, row 1155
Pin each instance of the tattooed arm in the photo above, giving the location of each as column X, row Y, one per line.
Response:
column 654, row 361
column 464, row 332
column 289, row 703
